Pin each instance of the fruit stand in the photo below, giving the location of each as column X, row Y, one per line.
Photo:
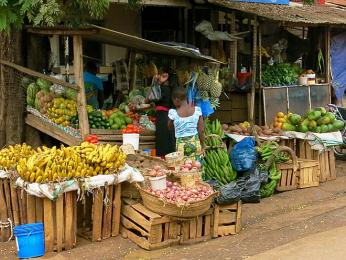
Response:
column 59, row 109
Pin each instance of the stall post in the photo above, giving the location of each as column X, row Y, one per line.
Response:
column 78, row 72
column 254, row 68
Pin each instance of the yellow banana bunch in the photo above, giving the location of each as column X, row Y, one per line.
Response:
column 65, row 163
column 11, row 155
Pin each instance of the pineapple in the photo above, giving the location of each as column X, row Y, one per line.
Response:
column 216, row 89
column 204, row 81
column 204, row 94
column 214, row 102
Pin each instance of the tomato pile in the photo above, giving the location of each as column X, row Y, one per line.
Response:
column 93, row 139
column 131, row 129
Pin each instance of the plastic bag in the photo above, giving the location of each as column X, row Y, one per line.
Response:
column 155, row 91
column 250, row 182
column 244, row 155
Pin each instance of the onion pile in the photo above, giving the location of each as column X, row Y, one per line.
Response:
column 157, row 171
column 176, row 194
column 190, row 165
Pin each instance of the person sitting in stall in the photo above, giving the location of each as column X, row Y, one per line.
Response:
column 187, row 121
column 93, row 86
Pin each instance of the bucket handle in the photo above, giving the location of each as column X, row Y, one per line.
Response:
column 6, row 224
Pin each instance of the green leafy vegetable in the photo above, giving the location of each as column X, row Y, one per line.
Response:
column 282, row 74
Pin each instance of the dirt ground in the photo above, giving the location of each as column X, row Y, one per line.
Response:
column 276, row 221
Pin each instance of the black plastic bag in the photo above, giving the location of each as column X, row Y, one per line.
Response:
column 250, row 183
column 244, row 155
column 228, row 194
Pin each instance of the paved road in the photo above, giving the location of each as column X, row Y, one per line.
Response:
column 321, row 246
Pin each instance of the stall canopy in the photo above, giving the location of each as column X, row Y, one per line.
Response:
column 108, row 36
column 296, row 14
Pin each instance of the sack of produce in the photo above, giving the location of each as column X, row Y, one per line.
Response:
column 244, row 155
column 250, row 182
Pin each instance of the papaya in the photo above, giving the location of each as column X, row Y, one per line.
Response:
column 338, row 125
column 325, row 120
column 322, row 110
column 324, row 128
column 295, row 119
column 330, row 128
column 288, row 127
column 303, row 128
column 318, row 129
column 331, row 116
column 312, row 125
column 314, row 115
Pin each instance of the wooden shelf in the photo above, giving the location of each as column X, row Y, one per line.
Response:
column 51, row 130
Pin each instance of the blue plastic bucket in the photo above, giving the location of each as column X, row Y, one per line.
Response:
column 29, row 240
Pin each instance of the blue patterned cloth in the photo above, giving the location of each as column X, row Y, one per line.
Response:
column 185, row 126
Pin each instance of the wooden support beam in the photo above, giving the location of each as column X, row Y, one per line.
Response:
column 327, row 59
column 254, row 68
column 78, row 73
column 260, row 114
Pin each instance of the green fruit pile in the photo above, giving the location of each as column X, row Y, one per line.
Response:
column 118, row 120
column 98, row 121
column 316, row 120
column 217, row 166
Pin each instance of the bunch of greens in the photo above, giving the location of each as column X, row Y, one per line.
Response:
column 282, row 74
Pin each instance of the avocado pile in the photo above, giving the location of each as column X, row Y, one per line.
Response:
column 316, row 120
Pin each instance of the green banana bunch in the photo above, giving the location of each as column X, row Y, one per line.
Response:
column 274, row 175
column 218, row 166
column 266, row 150
column 213, row 141
column 213, row 127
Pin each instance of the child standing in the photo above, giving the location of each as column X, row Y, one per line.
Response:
column 188, row 125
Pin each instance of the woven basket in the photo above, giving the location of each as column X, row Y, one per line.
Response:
column 197, row 175
column 174, row 159
column 166, row 208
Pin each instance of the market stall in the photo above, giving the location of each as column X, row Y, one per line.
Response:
column 58, row 107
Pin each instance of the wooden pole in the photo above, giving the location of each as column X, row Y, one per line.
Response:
column 327, row 61
column 233, row 46
column 132, row 70
column 260, row 74
column 78, row 73
column 254, row 68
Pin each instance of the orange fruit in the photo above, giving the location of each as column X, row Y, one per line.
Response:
column 282, row 120
column 280, row 114
column 279, row 125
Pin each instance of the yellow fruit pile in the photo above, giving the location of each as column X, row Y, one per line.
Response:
column 61, row 111
column 10, row 156
column 86, row 160
column 280, row 118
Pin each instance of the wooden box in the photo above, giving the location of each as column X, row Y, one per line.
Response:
column 12, row 208
column 197, row 229
column 288, row 179
column 325, row 158
column 99, row 213
column 59, row 218
column 308, row 173
column 227, row 219
column 146, row 228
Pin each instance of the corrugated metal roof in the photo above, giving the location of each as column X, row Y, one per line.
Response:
column 306, row 14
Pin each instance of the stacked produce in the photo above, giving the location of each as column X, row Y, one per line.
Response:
column 43, row 101
column 86, row 160
column 32, row 90
column 62, row 111
column 98, row 121
column 316, row 120
column 190, row 166
column 157, row 171
column 118, row 120
column 177, row 194
column 11, row 155
column 216, row 161
column 281, row 74
column 246, row 129
column 209, row 88
column 266, row 151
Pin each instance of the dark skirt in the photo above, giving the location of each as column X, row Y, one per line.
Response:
column 165, row 140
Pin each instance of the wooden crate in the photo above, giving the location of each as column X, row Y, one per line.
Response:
column 291, row 143
column 146, row 228
column 197, row 229
column 60, row 222
column 288, row 179
column 12, row 209
column 227, row 219
column 308, row 173
column 99, row 213
column 325, row 158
